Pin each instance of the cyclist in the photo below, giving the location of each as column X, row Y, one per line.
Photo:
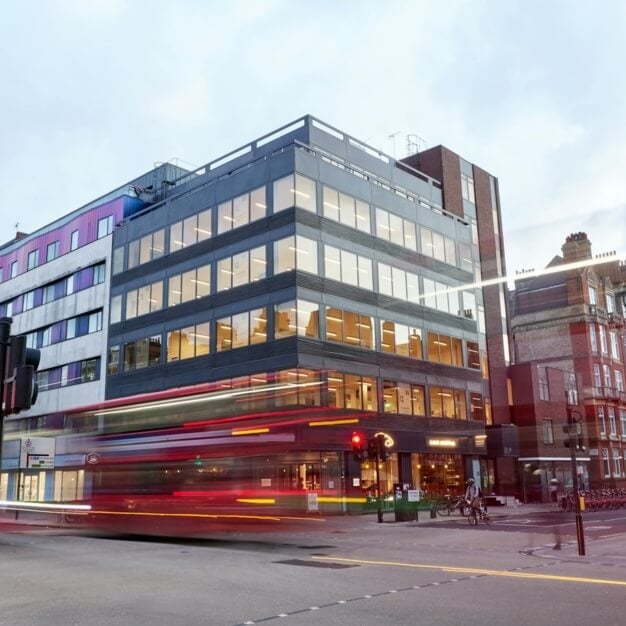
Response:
column 473, row 494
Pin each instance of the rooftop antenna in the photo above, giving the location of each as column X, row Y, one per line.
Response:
column 415, row 144
column 393, row 141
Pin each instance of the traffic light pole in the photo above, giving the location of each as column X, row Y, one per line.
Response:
column 380, row 497
column 5, row 334
column 580, row 533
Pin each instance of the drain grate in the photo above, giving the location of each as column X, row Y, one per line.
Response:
column 315, row 564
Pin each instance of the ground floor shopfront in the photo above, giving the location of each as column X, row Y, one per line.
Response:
column 299, row 461
column 321, row 481
column 542, row 477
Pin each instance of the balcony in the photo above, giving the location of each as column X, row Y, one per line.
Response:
column 622, row 396
column 593, row 393
column 616, row 320
column 596, row 311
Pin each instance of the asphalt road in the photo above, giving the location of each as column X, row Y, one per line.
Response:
column 348, row 571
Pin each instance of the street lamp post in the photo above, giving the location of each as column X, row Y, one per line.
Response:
column 380, row 497
column 574, row 429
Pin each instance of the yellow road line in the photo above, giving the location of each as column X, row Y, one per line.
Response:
column 484, row 572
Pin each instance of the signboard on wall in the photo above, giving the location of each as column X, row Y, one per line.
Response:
column 311, row 501
column 37, row 453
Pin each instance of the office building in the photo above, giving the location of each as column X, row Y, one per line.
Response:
column 365, row 288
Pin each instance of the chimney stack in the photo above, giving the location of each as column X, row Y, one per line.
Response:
column 576, row 248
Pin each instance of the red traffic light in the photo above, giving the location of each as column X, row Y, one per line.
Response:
column 357, row 446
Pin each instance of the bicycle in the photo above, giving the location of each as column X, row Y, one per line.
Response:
column 449, row 504
column 476, row 512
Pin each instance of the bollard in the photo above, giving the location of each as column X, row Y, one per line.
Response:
column 433, row 513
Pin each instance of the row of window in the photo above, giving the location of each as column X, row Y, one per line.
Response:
column 604, row 346
column 609, row 299
column 611, row 415
column 75, row 373
column 344, row 391
column 296, row 252
column 448, row 402
column 33, row 260
column 616, row 455
column 79, row 280
column 293, row 190
column 612, row 431
column 65, row 329
column 298, row 318
column 602, row 377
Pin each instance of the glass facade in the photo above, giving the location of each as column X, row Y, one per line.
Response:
column 355, row 304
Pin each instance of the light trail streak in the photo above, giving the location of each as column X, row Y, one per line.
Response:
column 42, row 506
column 271, row 518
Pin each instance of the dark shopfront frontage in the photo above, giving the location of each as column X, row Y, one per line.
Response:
column 437, row 464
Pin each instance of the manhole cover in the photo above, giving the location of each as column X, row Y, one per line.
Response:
column 315, row 547
column 315, row 564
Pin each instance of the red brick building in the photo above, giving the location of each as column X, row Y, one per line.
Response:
column 570, row 317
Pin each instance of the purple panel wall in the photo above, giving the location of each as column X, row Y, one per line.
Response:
column 86, row 224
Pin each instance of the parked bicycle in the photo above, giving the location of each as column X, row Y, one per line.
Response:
column 595, row 500
column 450, row 504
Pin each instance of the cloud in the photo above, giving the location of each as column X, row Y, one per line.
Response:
column 96, row 92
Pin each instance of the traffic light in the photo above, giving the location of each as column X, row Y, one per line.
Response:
column 579, row 443
column 574, row 437
column 372, row 449
column 383, row 452
column 357, row 446
column 20, row 388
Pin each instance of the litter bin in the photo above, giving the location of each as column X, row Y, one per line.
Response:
column 404, row 509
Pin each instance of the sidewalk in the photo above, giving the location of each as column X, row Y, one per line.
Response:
column 609, row 551
column 424, row 515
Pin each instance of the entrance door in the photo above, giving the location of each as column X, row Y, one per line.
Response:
column 30, row 487
column 299, row 476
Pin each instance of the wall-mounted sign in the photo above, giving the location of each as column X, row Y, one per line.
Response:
column 388, row 441
column 311, row 501
column 443, row 443
column 37, row 452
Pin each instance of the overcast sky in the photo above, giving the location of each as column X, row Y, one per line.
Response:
column 94, row 92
